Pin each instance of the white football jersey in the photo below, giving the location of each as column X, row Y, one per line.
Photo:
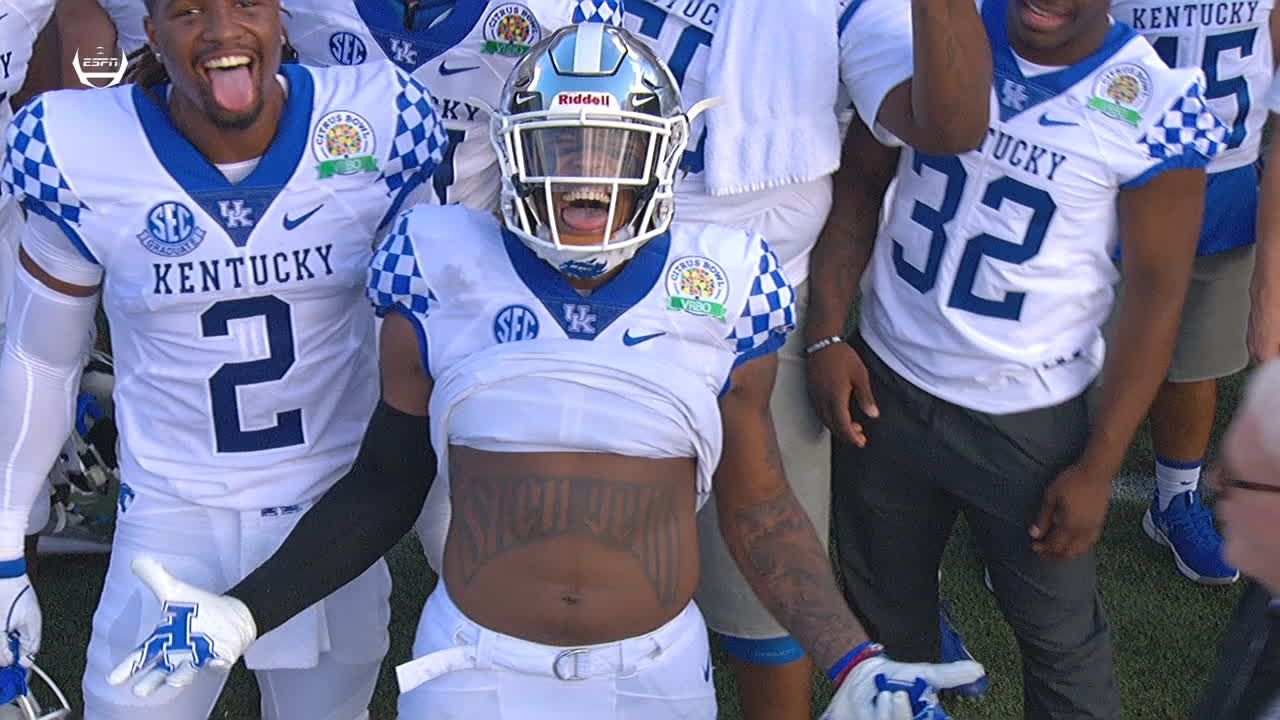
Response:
column 992, row 274
column 692, row 305
column 875, row 37
column 466, row 56
column 1231, row 42
column 875, row 56
column 244, row 352
column 20, row 22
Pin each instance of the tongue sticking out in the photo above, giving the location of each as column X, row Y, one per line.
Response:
column 233, row 88
column 585, row 219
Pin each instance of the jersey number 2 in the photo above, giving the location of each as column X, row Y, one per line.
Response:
column 226, row 382
column 1003, row 189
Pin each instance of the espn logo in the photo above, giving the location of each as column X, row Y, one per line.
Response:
column 588, row 99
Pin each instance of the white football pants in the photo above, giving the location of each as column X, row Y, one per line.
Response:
column 321, row 665
column 465, row 672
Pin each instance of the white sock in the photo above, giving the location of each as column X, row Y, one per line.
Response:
column 1175, row 478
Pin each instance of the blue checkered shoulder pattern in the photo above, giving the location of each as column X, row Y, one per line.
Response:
column 1187, row 130
column 770, row 313
column 32, row 176
column 396, row 284
column 608, row 12
column 418, row 146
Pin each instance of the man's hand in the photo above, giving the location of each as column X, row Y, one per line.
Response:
column 881, row 689
column 836, row 378
column 22, row 620
column 1072, row 513
column 198, row 630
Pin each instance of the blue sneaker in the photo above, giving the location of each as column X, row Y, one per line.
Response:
column 953, row 650
column 1186, row 527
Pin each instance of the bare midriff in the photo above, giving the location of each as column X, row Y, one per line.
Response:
column 571, row 548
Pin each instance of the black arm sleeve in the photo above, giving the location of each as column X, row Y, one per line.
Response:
column 356, row 522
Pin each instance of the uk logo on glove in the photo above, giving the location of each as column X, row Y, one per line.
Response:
column 197, row 630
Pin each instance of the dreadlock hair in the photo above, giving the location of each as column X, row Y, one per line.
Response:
column 145, row 69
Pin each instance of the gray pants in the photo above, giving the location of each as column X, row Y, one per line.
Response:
column 894, row 505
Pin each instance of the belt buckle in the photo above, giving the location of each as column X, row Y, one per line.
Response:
column 576, row 654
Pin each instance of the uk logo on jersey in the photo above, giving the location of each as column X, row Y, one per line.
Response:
column 347, row 48
column 1014, row 95
column 172, row 641
column 514, row 323
column 579, row 319
column 235, row 214
column 171, row 230
column 404, row 53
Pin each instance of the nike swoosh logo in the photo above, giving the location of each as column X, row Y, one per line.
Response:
column 631, row 340
column 447, row 71
column 291, row 224
column 1047, row 122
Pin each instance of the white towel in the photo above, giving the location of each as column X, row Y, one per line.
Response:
column 775, row 65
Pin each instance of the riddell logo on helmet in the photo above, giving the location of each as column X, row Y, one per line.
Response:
column 584, row 98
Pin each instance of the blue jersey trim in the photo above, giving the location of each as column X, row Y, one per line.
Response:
column 385, row 21
column 608, row 302
column 13, row 568
column 1191, row 158
column 1042, row 87
column 772, row 345
column 204, row 183
column 847, row 15
column 33, row 205
column 415, row 180
column 1230, row 211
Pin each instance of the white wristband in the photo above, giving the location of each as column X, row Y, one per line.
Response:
column 823, row 344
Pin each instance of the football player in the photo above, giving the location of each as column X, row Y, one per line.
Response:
column 22, row 27
column 576, row 371
column 226, row 227
column 980, row 342
column 921, row 69
column 1234, row 48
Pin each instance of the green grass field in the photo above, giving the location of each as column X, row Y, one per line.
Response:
column 1166, row 627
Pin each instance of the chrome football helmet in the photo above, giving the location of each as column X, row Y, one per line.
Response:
column 592, row 116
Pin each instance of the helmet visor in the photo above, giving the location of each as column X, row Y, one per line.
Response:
column 571, row 153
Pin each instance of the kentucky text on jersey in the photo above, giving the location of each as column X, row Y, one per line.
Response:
column 1193, row 15
column 450, row 109
column 702, row 12
column 233, row 273
column 1022, row 154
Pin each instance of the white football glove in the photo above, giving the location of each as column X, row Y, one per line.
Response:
column 880, row 689
column 22, row 620
column 198, row 630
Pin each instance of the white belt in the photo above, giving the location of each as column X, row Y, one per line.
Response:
column 568, row 664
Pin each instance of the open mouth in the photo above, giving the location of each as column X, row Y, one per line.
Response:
column 1041, row 18
column 231, row 77
column 585, row 211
